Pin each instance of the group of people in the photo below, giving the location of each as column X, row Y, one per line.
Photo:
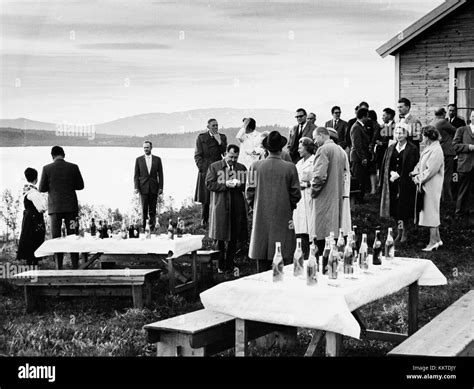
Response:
column 300, row 187
column 290, row 188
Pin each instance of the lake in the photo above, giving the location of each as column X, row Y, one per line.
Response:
column 107, row 172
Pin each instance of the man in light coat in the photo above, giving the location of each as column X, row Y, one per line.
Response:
column 273, row 190
column 328, row 186
column 228, row 216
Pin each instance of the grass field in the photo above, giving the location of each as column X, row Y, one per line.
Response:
column 109, row 327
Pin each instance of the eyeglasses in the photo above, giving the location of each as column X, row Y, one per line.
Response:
column 299, row 116
column 337, row 112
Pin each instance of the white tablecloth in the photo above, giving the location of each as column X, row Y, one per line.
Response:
column 325, row 306
column 156, row 245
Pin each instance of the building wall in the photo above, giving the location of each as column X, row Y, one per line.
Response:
column 424, row 73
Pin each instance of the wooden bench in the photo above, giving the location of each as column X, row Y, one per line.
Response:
column 200, row 333
column 451, row 333
column 136, row 283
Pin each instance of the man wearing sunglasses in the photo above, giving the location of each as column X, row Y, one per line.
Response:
column 302, row 129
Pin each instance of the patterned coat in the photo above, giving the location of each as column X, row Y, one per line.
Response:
column 273, row 190
column 328, row 188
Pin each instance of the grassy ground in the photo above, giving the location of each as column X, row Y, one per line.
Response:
column 109, row 327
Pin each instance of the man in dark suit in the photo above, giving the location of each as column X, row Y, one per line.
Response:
column 339, row 125
column 464, row 145
column 351, row 122
column 60, row 180
column 228, row 215
column 360, row 141
column 302, row 129
column 148, row 180
column 453, row 119
column 210, row 148
column 447, row 131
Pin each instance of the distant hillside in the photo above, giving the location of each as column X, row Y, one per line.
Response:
column 175, row 122
column 14, row 137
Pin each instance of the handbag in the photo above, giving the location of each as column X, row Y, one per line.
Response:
column 420, row 197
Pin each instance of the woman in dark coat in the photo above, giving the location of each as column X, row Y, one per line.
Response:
column 33, row 227
column 398, row 189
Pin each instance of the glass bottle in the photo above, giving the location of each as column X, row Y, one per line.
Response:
column 147, row 230
column 327, row 250
column 389, row 246
column 348, row 258
column 76, row 226
column 124, row 231
column 170, row 230
column 377, row 249
column 333, row 262
column 363, row 254
column 277, row 264
column 93, row 227
column 63, row 228
column 312, row 266
column 298, row 259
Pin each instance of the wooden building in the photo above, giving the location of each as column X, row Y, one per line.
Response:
column 434, row 60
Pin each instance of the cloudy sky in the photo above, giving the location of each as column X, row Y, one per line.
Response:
column 96, row 61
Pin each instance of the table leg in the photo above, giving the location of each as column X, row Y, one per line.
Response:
column 241, row 338
column 311, row 350
column 194, row 269
column 333, row 344
column 413, row 308
column 172, row 281
column 85, row 265
column 137, row 294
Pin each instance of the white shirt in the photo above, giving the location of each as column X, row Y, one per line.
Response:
column 472, row 128
column 38, row 200
column 249, row 146
column 148, row 162
column 400, row 149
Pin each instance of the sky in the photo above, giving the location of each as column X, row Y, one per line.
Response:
column 97, row 61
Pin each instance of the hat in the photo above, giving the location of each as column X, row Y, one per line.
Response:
column 440, row 112
column 274, row 141
column 333, row 133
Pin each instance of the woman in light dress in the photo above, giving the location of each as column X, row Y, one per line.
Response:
column 249, row 143
column 302, row 213
column 429, row 173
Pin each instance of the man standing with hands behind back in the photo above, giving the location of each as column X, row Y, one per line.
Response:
column 61, row 179
column 148, row 181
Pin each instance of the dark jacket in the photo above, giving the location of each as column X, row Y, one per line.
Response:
column 341, row 129
column 461, row 142
column 360, row 141
column 447, row 132
column 294, row 139
column 148, row 183
column 456, row 122
column 227, row 213
column 60, row 180
column 406, row 202
column 207, row 151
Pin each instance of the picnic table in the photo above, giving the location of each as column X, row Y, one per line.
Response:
column 331, row 306
column 157, row 252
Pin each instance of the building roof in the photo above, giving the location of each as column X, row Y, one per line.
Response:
column 421, row 25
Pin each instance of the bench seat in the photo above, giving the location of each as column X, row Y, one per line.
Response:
column 200, row 333
column 451, row 333
column 136, row 283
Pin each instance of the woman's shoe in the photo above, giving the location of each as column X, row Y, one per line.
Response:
column 431, row 248
column 440, row 243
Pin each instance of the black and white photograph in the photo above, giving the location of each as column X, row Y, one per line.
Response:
column 264, row 185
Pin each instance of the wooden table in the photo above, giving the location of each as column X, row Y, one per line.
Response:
column 156, row 252
column 331, row 308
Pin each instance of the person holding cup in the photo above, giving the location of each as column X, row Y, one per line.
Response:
column 398, row 189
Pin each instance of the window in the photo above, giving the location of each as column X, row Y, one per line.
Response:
column 464, row 89
column 461, row 87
